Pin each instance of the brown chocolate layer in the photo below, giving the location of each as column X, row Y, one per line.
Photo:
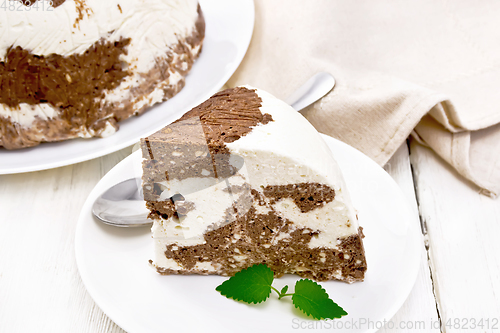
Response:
column 171, row 207
column 62, row 81
column 76, row 85
column 268, row 238
column 307, row 196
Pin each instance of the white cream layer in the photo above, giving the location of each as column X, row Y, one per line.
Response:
column 26, row 114
column 153, row 25
column 287, row 150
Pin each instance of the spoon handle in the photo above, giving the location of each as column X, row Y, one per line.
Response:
column 316, row 87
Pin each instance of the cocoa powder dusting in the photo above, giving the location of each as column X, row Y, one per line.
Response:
column 228, row 115
column 81, row 10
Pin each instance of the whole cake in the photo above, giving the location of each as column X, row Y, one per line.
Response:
column 242, row 179
column 75, row 68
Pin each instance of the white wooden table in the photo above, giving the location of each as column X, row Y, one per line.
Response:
column 41, row 291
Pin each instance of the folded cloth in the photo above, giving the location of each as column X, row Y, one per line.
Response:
column 427, row 68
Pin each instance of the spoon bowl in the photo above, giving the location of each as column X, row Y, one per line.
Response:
column 122, row 205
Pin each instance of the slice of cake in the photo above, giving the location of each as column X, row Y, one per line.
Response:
column 242, row 179
column 75, row 68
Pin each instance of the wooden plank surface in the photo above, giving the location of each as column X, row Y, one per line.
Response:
column 40, row 287
column 463, row 228
column 418, row 313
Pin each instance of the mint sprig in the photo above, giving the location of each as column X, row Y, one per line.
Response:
column 254, row 285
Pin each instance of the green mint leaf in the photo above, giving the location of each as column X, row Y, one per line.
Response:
column 251, row 285
column 284, row 290
column 312, row 299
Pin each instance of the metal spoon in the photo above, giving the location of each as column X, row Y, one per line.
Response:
column 316, row 87
column 123, row 205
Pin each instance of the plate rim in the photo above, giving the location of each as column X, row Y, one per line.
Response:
column 389, row 313
column 244, row 42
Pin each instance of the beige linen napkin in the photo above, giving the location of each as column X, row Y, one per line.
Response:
column 430, row 68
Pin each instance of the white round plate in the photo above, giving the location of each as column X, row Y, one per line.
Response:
column 113, row 264
column 229, row 27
